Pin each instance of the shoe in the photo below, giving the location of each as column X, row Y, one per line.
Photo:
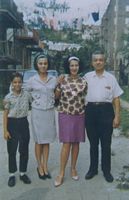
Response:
column 48, row 175
column 74, row 175
column 108, row 177
column 75, row 178
column 11, row 181
column 41, row 176
column 90, row 175
column 58, row 181
column 25, row 179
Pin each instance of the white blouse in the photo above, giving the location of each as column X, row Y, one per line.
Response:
column 42, row 92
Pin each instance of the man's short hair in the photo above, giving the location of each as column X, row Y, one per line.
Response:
column 98, row 52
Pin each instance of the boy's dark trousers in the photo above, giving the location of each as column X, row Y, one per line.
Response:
column 20, row 136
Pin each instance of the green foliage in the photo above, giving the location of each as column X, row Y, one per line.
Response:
column 125, row 113
column 125, row 95
column 125, row 122
column 84, row 53
column 125, row 48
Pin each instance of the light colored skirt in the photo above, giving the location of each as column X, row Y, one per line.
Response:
column 43, row 125
column 71, row 128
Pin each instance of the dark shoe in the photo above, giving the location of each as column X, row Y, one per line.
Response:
column 90, row 175
column 108, row 177
column 25, row 179
column 48, row 175
column 41, row 176
column 11, row 181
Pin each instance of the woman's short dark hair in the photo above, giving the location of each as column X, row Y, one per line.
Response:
column 37, row 57
column 16, row 75
column 67, row 64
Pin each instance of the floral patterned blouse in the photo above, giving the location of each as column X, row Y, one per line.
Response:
column 72, row 99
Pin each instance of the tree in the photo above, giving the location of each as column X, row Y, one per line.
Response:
column 45, row 9
column 125, row 48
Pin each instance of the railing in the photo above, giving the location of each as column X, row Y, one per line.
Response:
column 10, row 6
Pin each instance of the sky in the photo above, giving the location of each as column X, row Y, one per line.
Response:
column 78, row 7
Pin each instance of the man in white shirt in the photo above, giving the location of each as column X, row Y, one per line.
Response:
column 102, row 95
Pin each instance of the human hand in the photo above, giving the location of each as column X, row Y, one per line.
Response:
column 116, row 122
column 60, row 79
column 7, row 135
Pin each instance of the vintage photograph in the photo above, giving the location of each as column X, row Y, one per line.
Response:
column 64, row 99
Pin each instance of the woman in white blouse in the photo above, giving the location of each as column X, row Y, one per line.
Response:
column 42, row 89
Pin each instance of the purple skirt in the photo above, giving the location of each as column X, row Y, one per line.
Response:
column 71, row 128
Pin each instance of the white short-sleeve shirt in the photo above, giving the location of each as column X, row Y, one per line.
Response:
column 102, row 88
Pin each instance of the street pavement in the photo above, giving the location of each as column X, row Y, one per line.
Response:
column 94, row 189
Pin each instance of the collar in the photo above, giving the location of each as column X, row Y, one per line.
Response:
column 102, row 75
column 37, row 77
column 12, row 93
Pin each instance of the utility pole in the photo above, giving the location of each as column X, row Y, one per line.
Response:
column 116, row 38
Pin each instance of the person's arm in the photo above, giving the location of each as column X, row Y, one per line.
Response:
column 57, row 92
column 58, row 88
column 5, row 121
column 116, row 121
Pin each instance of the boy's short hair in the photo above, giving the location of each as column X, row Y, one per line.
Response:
column 16, row 75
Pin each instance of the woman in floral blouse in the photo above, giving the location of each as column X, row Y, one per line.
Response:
column 71, row 93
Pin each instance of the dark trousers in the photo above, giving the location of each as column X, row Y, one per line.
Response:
column 99, row 121
column 20, row 136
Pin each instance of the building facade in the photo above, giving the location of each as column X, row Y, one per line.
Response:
column 17, row 43
column 115, row 23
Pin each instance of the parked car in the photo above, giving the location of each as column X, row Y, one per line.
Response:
column 29, row 73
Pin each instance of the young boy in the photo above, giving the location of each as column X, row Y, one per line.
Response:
column 16, row 129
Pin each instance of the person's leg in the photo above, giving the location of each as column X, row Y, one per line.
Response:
column 65, row 151
column 105, row 138
column 24, row 138
column 45, row 157
column 91, row 116
column 64, row 158
column 12, row 145
column 39, row 157
column 74, row 157
column 106, row 153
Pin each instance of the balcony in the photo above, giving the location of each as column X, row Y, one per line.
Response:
column 9, row 16
column 28, row 37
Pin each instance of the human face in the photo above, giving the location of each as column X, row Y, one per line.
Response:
column 16, row 84
column 98, row 62
column 42, row 65
column 74, row 67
